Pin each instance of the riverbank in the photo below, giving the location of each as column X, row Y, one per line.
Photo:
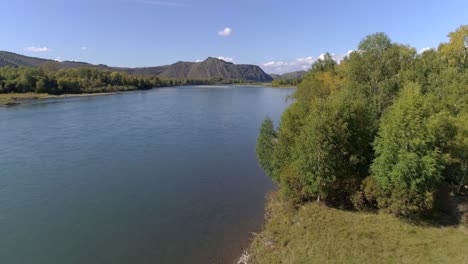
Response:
column 284, row 86
column 252, row 84
column 319, row 234
column 269, row 85
column 10, row 99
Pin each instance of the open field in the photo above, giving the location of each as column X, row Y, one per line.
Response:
column 319, row 234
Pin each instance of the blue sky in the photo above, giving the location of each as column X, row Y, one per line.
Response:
column 280, row 36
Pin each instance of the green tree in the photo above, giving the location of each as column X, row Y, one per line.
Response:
column 385, row 111
column 46, row 85
column 409, row 164
column 455, row 51
column 265, row 145
column 324, row 64
column 334, row 153
column 292, row 122
column 375, row 69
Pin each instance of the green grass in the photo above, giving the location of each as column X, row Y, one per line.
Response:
column 266, row 84
column 319, row 234
column 284, row 86
column 18, row 98
column 269, row 85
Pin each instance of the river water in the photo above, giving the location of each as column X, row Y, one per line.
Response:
column 160, row 176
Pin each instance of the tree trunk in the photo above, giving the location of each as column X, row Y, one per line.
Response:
column 461, row 182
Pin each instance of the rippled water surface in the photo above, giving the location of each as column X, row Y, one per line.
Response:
column 160, row 176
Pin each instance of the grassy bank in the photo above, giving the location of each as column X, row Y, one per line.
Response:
column 319, row 234
column 252, row 84
column 16, row 98
column 269, row 85
column 284, row 86
column 7, row 99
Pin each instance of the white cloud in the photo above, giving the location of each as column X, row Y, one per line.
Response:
column 225, row 32
column 165, row 3
column 288, row 66
column 424, row 49
column 37, row 49
column 299, row 64
column 226, row 59
column 198, row 60
column 84, row 48
column 58, row 59
column 340, row 57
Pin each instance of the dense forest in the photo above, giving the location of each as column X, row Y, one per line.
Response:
column 46, row 79
column 286, row 82
column 385, row 129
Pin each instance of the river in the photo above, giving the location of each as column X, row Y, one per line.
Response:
column 160, row 176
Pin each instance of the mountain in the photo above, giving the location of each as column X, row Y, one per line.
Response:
column 207, row 69
column 288, row 76
column 17, row 60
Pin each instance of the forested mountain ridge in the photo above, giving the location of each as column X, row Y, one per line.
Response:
column 288, row 75
column 290, row 79
column 213, row 67
column 17, row 60
column 205, row 70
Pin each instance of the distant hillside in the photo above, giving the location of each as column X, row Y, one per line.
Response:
column 210, row 68
column 17, row 60
column 289, row 75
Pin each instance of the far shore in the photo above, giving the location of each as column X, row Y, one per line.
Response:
column 269, row 85
column 12, row 99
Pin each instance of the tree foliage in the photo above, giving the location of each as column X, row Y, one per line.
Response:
column 409, row 160
column 384, row 128
column 47, row 79
column 265, row 145
column 286, row 82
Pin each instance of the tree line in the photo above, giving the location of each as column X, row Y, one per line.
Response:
column 84, row 80
column 384, row 129
column 286, row 82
